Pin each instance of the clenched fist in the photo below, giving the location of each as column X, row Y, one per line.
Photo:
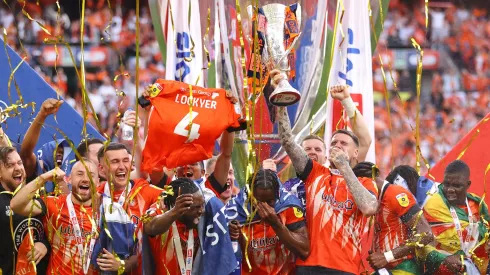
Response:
column 50, row 106
column 339, row 92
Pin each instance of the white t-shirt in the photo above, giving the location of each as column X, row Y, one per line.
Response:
column 437, row 19
column 97, row 102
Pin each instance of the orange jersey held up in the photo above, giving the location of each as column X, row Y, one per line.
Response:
column 189, row 135
column 335, row 224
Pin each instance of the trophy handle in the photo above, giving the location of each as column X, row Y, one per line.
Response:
column 286, row 53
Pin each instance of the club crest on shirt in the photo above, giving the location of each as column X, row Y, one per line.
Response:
column 298, row 213
column 402, row 199
column 156, row 89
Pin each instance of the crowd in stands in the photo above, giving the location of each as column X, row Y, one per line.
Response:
column 458, row 97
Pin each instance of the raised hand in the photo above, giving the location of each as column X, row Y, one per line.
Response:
column 231, row 97
column 131, row 119
column 54, row 175
column 146, row 93
column 269, row 164
column 182, row 204
column 50, row 106
column 339, row 92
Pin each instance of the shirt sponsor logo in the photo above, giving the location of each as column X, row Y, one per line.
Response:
column 264, row 242
column 340, row 205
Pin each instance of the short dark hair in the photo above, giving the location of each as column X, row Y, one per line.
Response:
column 113, row 146
column 5, row 152
column 408, row 173
column 266, row 179
column 366, row 169
column 349, row 133
column 185, row 185
column 311, row 136
column 458, row 167
column 84, row 144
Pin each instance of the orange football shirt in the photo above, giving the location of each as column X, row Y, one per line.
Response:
column 397, row 206
column 266, row 252
column 335, row 224
column 163, row 249
column 65, row 258
column 169, row 142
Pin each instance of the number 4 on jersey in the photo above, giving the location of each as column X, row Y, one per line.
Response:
column 181, row 128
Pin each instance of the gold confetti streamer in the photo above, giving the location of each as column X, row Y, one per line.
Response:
column 109, row 25
column 417, row 119
column 193, row 45
column 137, row 76
column 85, row 99
column 30, row 18
column 82, row 72
column 242, row 46
column 250, row 105
column 385, row 82
column 13, row 110
column 426, row 14
column 206, row 38
column 58, row 26
column 23, row 51
column 247, row 114
column 21, row 100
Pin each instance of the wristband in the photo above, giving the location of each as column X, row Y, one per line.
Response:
column 143, row 102
column 243, row 126
column 389, row 256
column 349, row 106
column 121, row 268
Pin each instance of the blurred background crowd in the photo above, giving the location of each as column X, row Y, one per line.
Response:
column 455, row 85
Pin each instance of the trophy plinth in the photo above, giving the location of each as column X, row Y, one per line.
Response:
column 284, row 94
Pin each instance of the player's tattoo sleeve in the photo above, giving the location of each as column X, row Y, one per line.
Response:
column 295, row 152
column 364, row 199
